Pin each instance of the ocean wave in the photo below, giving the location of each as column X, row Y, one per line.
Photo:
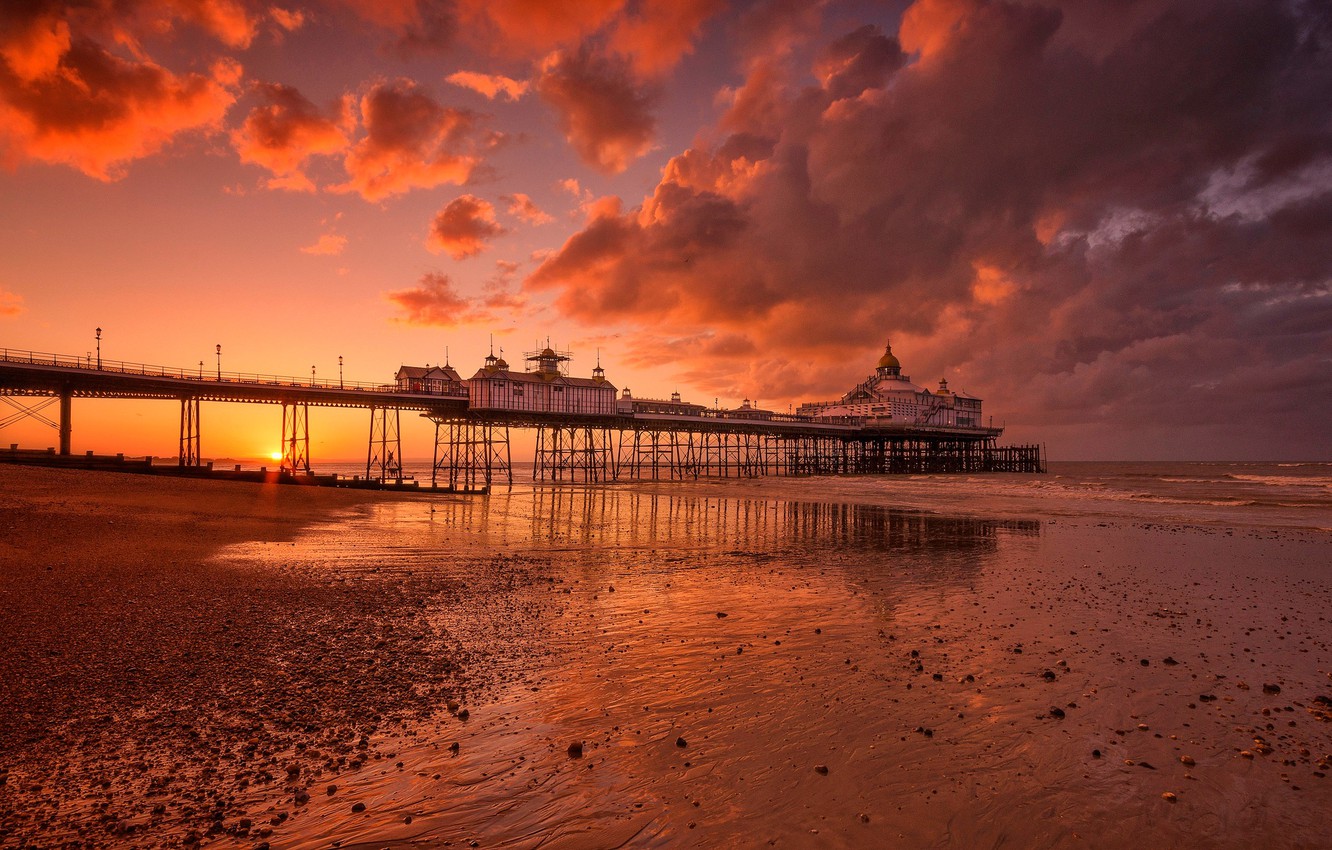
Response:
column 1285, row 480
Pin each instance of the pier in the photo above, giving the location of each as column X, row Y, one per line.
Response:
column 583, row 432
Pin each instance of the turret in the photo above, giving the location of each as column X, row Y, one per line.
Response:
column 889, row 366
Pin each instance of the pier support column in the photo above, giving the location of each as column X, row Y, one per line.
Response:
column 383, row 460
column 470, row 454
column 66, row 418
column 189, row 432
column 295, row 437
column 580, row 451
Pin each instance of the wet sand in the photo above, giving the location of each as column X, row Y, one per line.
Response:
column 734, row 672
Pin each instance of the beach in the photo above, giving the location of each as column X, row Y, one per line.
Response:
column 983, row 661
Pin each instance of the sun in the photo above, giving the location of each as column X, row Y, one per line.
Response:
column 275, row 455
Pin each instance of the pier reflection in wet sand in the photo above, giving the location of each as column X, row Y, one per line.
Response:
column 711, row 656
column 745, row 671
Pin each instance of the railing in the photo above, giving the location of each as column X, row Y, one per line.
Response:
column 214, row 376
column 120, row 367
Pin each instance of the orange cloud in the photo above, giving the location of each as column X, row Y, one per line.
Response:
column 929, row 25
column 434, row 302
column 659, row 32
column 411, row 142
column 328, row 244
column 573, row 187
column 463, row 227
column 523, row 207
column 490, row 85
column 229, row 21
column 95, row 111
column 11, row 304
column 288, row 20
column 602, row 110
column 532, row 27
column 287, row 130
column 33, row 50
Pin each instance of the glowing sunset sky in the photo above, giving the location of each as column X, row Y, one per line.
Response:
column 1112, row 221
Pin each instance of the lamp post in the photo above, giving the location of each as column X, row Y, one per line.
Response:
column 219, row 361
column 201, row 370
column 340, row 371
column 312, row 374
column 99, row 348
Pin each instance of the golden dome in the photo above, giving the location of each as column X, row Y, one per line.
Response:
column 888, row 361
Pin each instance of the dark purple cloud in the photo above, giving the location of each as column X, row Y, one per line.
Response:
column 1100, row 224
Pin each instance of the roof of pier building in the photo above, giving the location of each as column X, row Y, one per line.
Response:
column 441, row 373
column 496, row 369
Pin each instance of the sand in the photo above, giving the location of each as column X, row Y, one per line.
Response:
column 233, row 665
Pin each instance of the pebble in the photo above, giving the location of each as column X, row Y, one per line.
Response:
column 681, row 742
column 357, row 808
column 576, row 750
column 1187, row 761
column 821, row 769
column 1169, row 797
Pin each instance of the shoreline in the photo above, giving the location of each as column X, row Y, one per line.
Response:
column 263, row 475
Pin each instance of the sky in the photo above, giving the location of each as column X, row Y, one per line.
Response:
column 1110, row 219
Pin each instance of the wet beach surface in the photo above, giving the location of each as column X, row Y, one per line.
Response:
column 683, row 665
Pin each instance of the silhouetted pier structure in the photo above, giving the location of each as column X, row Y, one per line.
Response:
column 642, row 440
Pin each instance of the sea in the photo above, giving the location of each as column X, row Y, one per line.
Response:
column 1249, row 493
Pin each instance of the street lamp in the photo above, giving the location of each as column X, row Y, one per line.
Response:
column 219, row 361
column 312, row 376
column 339, row 371
column 201, row 370
column 99, row 348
